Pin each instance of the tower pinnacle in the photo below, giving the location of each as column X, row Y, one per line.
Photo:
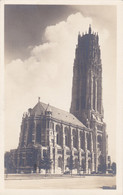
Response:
column 89, row 31
column 38, row 99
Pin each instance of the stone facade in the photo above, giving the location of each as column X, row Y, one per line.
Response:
column 42, row 130
column 80, row 133
column 86, row 102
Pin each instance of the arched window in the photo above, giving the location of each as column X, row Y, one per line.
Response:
column 82, row 140
column 75, row 139
column 94, row 93
column 88, row 141
column 98, row 96
column 59, row 137
column 66, row 136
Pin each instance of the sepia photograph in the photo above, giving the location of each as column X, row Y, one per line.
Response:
column 60, row 96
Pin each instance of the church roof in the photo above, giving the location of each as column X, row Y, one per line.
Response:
column 57, row 113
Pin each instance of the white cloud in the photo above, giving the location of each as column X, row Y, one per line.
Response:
column 46, row 73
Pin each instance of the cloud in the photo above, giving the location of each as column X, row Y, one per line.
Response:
column 46, row 73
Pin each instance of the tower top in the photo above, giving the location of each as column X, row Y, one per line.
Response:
column 89, row 31
column 38, row 99
column 87, row 78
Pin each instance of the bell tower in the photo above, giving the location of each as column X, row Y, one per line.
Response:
column 86, row 102
column 87, row 78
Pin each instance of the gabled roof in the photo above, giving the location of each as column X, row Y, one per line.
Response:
column 38, row 109
column 57, row 113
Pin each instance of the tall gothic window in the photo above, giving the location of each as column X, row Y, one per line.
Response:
column 58, row 131
column 82, row 140
column 88, row 142
column 98, row 96
column 94, row 93
column 66, row 136
column 57, row 138
column 74, row 139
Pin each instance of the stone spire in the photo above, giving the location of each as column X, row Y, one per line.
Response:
column 38, row 99
column 89, row 31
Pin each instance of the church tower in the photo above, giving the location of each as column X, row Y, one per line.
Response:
column 86, row 102
column 87, row 79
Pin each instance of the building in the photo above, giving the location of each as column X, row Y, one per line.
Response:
column 60, row 134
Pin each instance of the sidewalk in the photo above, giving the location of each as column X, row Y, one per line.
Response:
column 60, row 182
column 49, row 176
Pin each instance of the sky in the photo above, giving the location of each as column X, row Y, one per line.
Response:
column 40, row 42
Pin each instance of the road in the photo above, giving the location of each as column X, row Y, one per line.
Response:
column 83, row 182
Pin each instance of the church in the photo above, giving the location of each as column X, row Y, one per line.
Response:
column 80, row 133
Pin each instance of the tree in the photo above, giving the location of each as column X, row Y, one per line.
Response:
column 71, row 164
column 45, row 163
column 9, row 163
column 102, row 166
column 113, row 167
column 41, row 164
column 35, row 168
